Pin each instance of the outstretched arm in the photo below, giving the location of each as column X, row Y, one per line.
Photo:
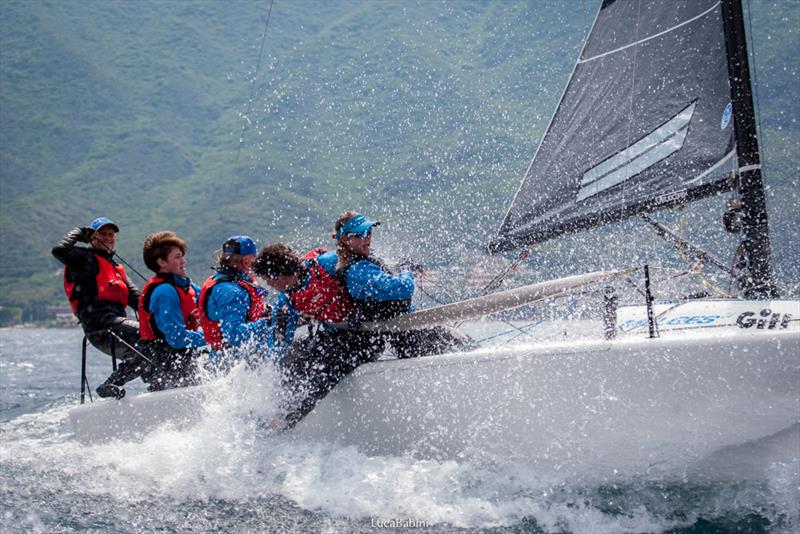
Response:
column 367, row 281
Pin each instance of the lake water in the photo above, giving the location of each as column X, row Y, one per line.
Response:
column 223, row 474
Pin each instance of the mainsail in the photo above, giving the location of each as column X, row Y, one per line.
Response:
column 645, row 121
column 658, row 112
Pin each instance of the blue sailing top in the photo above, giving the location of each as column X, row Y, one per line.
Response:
column 165, row 308
column 228, row 304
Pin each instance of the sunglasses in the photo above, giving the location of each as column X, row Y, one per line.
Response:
column 362, row 235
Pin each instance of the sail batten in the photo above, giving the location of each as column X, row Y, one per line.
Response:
column 640, row 41
column 645, row 116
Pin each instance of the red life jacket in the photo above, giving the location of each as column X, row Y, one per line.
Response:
column 324, row 298
column 211, row 329
column 111, row 282
column 148, row 329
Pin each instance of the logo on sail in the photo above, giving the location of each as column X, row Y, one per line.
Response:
column 640, row 156
column 727, row 113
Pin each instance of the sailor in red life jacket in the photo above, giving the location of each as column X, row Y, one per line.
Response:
column 98, row 290
column 310, row 291
column 168, row 313
column 234, row 313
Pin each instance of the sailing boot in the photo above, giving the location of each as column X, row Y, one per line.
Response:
column 126, row 371
column 107, row 389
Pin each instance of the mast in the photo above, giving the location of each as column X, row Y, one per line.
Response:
column 751, row 188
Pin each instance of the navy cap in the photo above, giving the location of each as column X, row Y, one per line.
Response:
column 240, row 244
column 101, row 222
column 356, row 225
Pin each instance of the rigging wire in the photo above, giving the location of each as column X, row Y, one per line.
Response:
column 696, row 272
column 495, row 282
column 734, row 263
column 120, row 258
column 521, row 331
column 249, row 107
column 439, row 302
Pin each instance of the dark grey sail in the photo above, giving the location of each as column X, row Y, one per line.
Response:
column 646, row 121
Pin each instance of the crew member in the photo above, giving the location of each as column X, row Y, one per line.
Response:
column 310, row 291
column 99, row 291
column 234, row 313
column 168, row 313
column 378, row 293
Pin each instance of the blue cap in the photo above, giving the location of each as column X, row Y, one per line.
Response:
column 356, row 225
column 240, row 244
column 101, row 222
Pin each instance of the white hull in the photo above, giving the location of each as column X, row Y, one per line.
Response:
column 133, row 417
column 613, row 403
column 628, row 404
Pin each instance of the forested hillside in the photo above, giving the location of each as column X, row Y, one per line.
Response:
column 423, row 114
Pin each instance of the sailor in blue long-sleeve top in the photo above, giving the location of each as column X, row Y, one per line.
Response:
column 169, row 318
column 165, row 307
column 230, row 304
column 234, row 312
column 379, row 293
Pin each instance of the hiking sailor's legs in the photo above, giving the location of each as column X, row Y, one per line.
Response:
column 429, row 341
column 313, row 366
column 118, row 337
column 169, row 368
column 101, row 337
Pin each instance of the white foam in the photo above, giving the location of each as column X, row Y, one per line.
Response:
column 227, row 455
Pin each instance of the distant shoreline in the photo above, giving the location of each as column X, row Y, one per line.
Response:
column 42, row 324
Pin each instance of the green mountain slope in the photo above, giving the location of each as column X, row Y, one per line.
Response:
column 424, row 114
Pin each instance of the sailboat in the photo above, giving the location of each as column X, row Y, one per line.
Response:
column 657, row 113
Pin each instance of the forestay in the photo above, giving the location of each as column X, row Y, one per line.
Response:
column 645, row 121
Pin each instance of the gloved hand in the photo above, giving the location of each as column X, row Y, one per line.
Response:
column 410, row 265
column 86, row 235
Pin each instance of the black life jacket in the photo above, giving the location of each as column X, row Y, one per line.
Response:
column 372, row 310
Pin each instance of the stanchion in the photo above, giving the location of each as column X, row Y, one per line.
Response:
column 648, row 297
column 84, row 380
column 113, row 350
column 609, row 313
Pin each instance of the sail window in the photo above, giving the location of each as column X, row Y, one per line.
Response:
column 654, row 147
